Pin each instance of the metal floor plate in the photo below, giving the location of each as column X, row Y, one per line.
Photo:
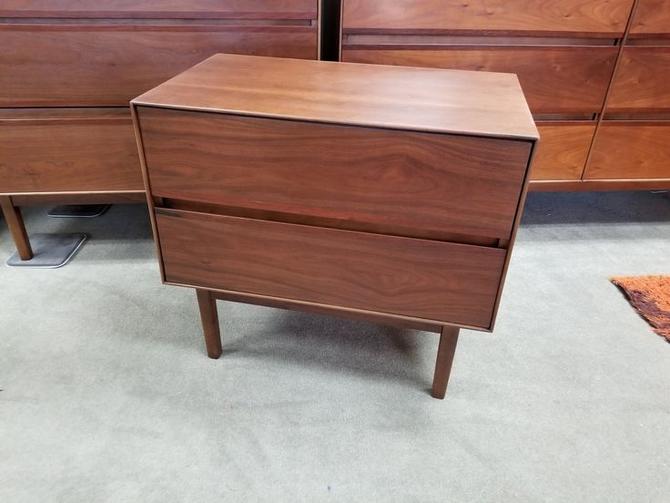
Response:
column 50, row 250
column 78, row 211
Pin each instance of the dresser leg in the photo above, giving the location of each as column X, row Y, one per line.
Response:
column 210, row 322
column 445, row 358
column 16, row 227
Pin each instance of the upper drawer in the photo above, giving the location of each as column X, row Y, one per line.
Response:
column 221, row 9
column 554, row 79
column 96, row 65
column 431, row 280
column 652, row 18
column 68, row 150
column 607, row 17
column 409, row 183
column 642, row 81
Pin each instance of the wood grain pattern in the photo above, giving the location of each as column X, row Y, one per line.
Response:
column 563, row 150
column 629, row 150
column 422, row 181
column 54, row 150
column 556, row 16
column 420, row 99
column 188, row 9
column 426, row 279
column 99, row 66
column 652, row 18
column 554, row 79
column 642, row 81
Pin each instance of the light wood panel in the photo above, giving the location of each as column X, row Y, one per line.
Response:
column 236, row 9
column 69, row 150
column 563, row 150
column 419, row 99
column 652, row 18
column 631, row 150
column 420, row 278
column 423, row 182
column 606, row 17
column 642, row 81
column 554, row 79
column 95, row 65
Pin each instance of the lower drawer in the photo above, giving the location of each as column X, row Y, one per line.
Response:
column 432, row 280
column 562, row 151
column 629, row 150
column 68, row 150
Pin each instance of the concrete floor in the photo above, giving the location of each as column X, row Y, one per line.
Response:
column 107, row 395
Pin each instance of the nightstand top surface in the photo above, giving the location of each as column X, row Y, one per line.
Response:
column 417, row 99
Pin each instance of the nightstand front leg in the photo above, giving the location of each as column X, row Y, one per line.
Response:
column 445, row 358
column 16, row 227
column 210, row 322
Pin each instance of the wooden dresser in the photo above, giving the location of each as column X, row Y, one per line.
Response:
column 565, row 53
column 380, row 192
column 68, row 69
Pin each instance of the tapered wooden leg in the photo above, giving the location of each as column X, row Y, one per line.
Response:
column 445, row 358
column 210, row 322
column 16, row 227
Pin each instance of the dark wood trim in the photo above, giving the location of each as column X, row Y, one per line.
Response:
column 598, row 185
column 43, row 199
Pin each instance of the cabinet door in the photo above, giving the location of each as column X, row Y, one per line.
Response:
column 158, row 9
column 642, row 81
column 526, row 16
column 652, row 19
column 108, row 65
column 629, row 150
column 554, row 79
column 68, row 150
column 562, row 151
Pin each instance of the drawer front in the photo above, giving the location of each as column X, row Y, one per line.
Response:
column 554, row 79
column 630, row 150
column 236, row 9
column 563, row 149
column 642, row 81
column 425, row 279
column 560, row 16
column 108, row 66
column 406, row 180
column 652, row 18
column 68, row 151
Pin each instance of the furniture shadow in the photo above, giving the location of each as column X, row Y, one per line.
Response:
column 336, row 344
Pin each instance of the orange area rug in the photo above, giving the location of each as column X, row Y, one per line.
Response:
column 650, row 296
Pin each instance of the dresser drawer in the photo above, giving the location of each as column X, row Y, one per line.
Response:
column 554, row 79
column 629, row 150
column 108, row 65
column 562, row 152
column 642, row 81
column 425, row 279
column 68, row 151
column 652, row 18
column 557, row 16
column 407, row 182
column 187, row 9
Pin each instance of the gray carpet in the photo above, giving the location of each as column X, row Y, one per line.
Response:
column 107, row 395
